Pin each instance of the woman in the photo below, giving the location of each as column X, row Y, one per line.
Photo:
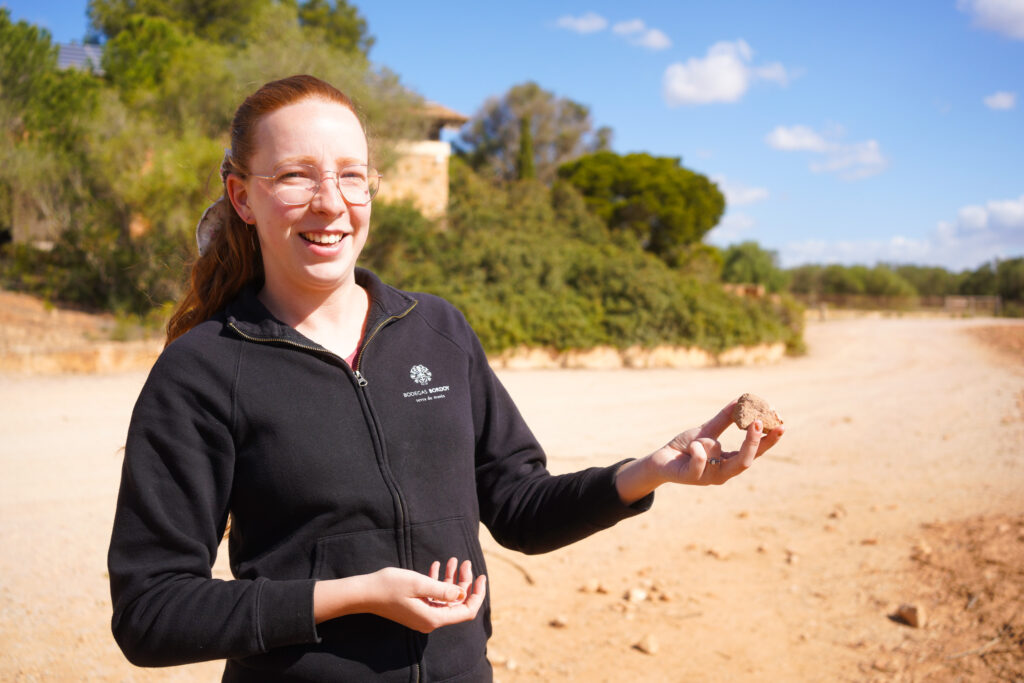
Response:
column 354, row 433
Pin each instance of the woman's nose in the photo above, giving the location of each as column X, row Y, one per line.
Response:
column 329, row 197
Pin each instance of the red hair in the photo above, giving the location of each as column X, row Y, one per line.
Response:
column 232, row 259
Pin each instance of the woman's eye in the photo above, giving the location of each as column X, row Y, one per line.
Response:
column 295, row 175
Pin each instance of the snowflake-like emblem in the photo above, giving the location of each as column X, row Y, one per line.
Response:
column 420, row 374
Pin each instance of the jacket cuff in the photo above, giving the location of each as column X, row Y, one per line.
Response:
column 608, row 509
column 286, row 613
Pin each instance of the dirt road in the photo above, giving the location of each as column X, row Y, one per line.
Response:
column 900, row 480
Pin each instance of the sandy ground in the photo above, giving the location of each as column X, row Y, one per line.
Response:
column 901, row 480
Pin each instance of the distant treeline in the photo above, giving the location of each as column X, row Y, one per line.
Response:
column 892, row 284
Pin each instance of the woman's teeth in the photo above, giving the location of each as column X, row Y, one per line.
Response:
column 322, row 237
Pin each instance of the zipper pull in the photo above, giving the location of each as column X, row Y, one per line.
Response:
column 360, row 379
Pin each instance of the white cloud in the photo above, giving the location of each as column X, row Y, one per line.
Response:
column 625, row 28
column 796, row 138
column 1001, row 16
column 737, row 194
column 585, row 23
column 849, row 160
column 723, row 75
column 637, row 32
column 733, row 228
column 1001, row 100
column 653, row 39
column 853, row 161
column 774, row 72
column 978, row 234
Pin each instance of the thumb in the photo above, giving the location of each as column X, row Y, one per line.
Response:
column 441, row 591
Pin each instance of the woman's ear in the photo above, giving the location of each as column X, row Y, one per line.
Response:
column 238, row 193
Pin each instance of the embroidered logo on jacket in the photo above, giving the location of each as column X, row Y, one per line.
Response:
column 421, row 375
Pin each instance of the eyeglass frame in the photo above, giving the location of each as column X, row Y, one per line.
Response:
column 319, row 183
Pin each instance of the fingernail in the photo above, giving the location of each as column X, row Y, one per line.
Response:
column 455, row 595
column 759, row 425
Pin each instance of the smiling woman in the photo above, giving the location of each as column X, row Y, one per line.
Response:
column 354, row 433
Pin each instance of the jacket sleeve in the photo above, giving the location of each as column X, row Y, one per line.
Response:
column 172, row 508
column 524, row 506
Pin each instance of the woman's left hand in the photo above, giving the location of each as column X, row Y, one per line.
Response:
column 695, row 457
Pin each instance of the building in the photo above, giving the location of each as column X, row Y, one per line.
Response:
column 421, row 172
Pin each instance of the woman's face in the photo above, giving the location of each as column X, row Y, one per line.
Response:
column 311, row 248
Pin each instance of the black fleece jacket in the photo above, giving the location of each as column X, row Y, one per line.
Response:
column 327, row 471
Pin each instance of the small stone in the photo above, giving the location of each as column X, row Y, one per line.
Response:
column 635, row 595
column 911, row 615
column 591, row 586
column 792, row 557
column 885, row 664
column 750, row 407
column 561, row 621
column 921, row 551
column 648, row 645
column 869, row 541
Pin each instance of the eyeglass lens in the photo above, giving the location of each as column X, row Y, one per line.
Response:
column 298, row 184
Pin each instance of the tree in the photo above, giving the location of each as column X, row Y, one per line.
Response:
column 980, row 282
column 340, row 24
column 665, row 206
column 749, row 263
column 1010, row 279
column 233, row 21
column 216, row 20
column 930, row 281
column 560, row 128
column 524, row 162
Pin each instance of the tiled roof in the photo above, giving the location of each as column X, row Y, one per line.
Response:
column 80, row 56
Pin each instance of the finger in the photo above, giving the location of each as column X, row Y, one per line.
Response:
column 712, row 447
column 698, row 460
column 476, row 597
column 769, row 440
column 435, row 569
column 466, row 575
column 748, row 450
column 714, row 427
column 440, row 593
column 449, row 570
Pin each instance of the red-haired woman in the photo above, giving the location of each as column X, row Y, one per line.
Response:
column 353, row 432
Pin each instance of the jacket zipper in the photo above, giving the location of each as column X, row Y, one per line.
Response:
column 362, row 382
column 357, row 363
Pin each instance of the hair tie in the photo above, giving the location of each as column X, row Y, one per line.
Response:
column 214, row 219
column 217, row 214
column 225, row 164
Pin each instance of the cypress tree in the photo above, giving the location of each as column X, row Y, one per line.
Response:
column 524, row 161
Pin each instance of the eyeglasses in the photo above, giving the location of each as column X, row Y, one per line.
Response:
column 297, row 184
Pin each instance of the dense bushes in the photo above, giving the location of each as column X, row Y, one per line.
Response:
column 529, row 266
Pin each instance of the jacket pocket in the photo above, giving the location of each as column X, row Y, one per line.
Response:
column 452, row 651
column 370, row 643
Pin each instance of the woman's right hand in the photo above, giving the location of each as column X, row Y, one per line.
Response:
column 420, row 602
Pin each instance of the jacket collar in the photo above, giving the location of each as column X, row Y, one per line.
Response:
column 247, row 315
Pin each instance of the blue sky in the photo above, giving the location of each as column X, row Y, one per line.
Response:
column 851, row 132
